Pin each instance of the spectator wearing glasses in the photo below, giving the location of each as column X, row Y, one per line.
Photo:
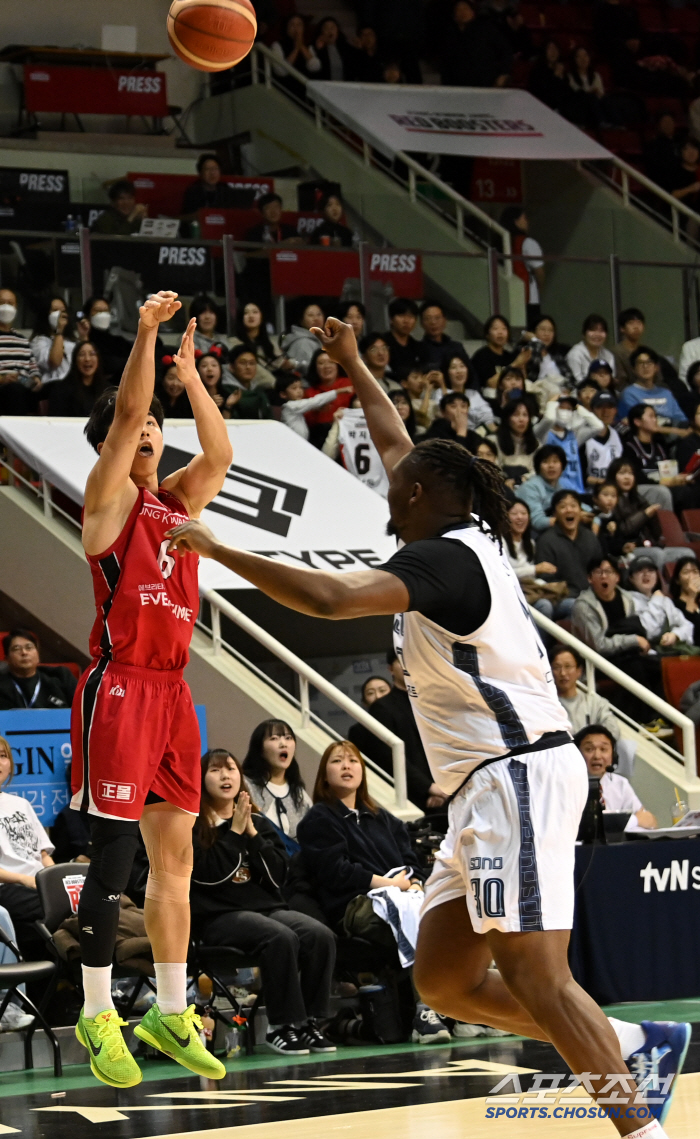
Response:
column 29, row 684
column 591, row 347
column 605, row 618
column 646, row 389
column 582, row 707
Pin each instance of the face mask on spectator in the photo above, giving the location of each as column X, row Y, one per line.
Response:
column 53, row 318
column 101, row 321
column 564, row 417
column 7, row 314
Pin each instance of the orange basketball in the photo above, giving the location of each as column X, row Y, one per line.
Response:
column 211, row 35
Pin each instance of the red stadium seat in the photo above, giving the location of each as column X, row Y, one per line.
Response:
column 678, row 673
column 673, row 532
column 691, row 521
column 2, row 651
column 69, row 664
column 684, row 20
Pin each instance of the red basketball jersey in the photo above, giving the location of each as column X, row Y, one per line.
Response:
column 147, row 599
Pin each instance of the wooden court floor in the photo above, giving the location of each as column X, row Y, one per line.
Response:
column 405, row 1092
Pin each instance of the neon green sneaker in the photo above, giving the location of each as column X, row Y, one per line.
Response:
column 110, row 1059
column 178, row 1037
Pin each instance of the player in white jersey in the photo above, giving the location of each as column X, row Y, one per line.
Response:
column 497, row 739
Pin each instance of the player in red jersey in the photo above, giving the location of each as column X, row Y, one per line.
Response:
column 135, row 738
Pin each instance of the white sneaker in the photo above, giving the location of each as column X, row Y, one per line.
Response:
column 463, row 1031
column 14, row 1019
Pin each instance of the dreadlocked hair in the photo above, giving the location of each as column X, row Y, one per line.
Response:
column 478, row 482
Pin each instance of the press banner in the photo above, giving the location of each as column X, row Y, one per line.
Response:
column 94, row 91
column 281, row 497
column 41, row 750
column 472, row 121
column 294, row 272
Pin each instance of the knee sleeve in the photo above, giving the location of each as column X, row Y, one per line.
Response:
column 168, row 874
column 113, row 846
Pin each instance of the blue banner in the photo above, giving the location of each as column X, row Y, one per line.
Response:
column 40, row 743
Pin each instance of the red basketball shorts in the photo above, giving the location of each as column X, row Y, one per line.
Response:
column 133, row 731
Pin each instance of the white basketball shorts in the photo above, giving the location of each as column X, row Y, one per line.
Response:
column 509, row 849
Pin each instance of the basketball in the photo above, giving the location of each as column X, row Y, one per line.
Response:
column 212, row 35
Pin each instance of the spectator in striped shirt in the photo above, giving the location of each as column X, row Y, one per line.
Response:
column 19, row 371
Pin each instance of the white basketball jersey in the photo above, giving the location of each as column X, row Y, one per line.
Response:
column 358, row 452
column 477, row 697
column 600, row 455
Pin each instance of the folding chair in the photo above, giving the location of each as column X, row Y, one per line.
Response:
column 14, row 975
column 218, row 962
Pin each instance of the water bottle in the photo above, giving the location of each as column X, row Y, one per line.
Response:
column 195, row 230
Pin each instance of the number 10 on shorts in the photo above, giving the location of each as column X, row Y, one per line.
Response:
column 489, row 896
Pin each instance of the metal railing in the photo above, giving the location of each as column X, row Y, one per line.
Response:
column 595, row 661
column 415, row 173
column 307, row 676
column 621, row 185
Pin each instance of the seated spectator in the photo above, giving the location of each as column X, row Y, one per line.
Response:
column 292, row 47
column 354, row 314
column 531, row 269
column 597, row 746
column 474, row 52
column 394, row 712
column 690, row 396
column 661, row 153
column 295, row 406
column 601, row 374
column 587, row 390
column 300, row 344
column 273, row 776
column 516, row 443
column 405, row 409
column 52, row 343
column 582, row 706
column 590, row 347
column 331, row 231
column 322, row 377
column 373, row 689
column 685, row 591
column 171, row 392
column 124, row 214
column 548, row 363
column 247, row 399
column 688, row 448
column 683, row 179
column 635, row 519
column 29, row 684
column 239, row 865
column 453, row 422
column 548, row 80
column 207, row 335
column 271, row 230
column 209, row 191
column 25, row 848
column 588, row 92
column 368, row 65
column 600, row 450
column 436, row 344
column 336, row 57
column 646, row 389
column 83, row 385
column 521, row 555
column 19, row 371
column 404, row 351
column 94, row 324
column 375, row 353
column 211, row 374
column 487, row 451
column 643, row 447
column 569, row 545
column 420, row 391
column 510, row 385
column 631, row 329
column 690, row 354
column 664, row 624
column 490, row 360
column 537, row 493
column 251, row 331
column 613, row 25
column 604, row 617
column 567, row 424
column 458, row 375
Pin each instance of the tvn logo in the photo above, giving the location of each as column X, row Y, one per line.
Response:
column 116, row 792
column 117, row 691
column 674, row 877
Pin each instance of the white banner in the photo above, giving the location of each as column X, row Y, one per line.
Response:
column 484, row 122
column 282, row 497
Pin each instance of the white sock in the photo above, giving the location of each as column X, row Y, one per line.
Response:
column 97, row 986
column 171, row 987
column 631, row 1036
column 651, row 1130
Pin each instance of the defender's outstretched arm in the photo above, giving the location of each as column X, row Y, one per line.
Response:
column 389, row 435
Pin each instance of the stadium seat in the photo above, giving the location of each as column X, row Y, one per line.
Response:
column 684, row 20
column 691, row 522
column 2, row 651
column 678, row 673
column 673, row 532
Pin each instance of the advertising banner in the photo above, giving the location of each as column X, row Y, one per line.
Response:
column 481, row 122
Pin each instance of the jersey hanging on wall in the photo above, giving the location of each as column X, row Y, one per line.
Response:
column 358, row 452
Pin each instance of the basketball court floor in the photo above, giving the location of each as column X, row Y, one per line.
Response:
column 374, row 1092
